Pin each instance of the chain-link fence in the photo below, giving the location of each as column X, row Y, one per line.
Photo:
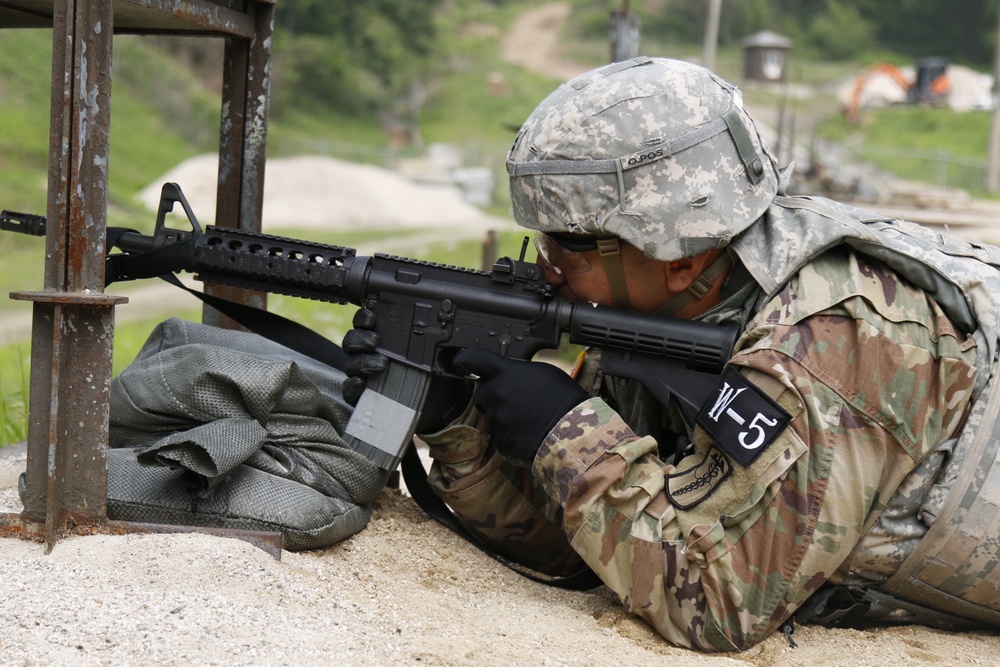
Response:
column 941, row 168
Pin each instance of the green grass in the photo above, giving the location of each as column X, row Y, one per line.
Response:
column 25, row 70
column 14, row 369
column 299, row 131
column 23, row 267
column 160, row 116
column 924, row 144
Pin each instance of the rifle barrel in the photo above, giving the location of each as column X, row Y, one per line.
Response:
column 25, row 223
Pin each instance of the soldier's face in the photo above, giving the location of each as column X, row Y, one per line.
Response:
column 645, row 278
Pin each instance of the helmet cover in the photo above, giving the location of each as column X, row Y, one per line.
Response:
column 657, row 152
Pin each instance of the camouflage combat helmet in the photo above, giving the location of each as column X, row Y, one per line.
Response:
column 659, row 153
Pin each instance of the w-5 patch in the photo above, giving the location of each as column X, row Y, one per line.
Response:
column 740, row 418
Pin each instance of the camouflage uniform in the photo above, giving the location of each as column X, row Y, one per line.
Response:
column 874, row 377
column 880, row 388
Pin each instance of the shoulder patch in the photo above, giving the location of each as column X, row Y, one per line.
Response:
column 689, row 487
column 740, row 418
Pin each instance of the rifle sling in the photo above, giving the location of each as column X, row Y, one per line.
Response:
column 420, row 490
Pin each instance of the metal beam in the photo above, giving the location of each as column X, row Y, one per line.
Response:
column 183, row 15
column 205, row 17
column 73, row 325
column 243, row 147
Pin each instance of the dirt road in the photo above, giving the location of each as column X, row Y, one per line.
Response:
column 533, row 42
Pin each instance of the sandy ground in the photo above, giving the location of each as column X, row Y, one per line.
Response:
column 404, row 591
column 312, row 191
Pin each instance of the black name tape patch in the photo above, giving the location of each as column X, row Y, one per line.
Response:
column 740, row 418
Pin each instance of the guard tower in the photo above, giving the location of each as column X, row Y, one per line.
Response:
column 73, row 319
column 766, row 57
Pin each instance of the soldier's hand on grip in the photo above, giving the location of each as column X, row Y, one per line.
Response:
column 361, row 343
column 521, row 401
column 447, row 398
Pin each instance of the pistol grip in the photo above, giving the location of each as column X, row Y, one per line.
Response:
column 386, row 415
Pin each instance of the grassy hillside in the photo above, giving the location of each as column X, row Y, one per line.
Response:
column 165, row 100
column 25, row 66
column 163, row 111
column 160, row 115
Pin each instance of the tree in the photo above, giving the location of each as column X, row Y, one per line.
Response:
column 961, row 30
column 841, row 32
column 356, row 56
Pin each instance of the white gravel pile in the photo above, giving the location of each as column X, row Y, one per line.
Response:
column 317, row 191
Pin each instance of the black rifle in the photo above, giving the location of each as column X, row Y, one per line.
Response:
column 425, row 313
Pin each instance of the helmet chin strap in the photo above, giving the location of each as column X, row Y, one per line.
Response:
column 610, row 251
column 699, row 288
column 611, row 255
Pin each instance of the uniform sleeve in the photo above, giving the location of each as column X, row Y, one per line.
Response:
column 868, row 391
column 723, row 574
column 498, row 502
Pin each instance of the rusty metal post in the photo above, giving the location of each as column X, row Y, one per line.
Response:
column 73, row 322
column 243, row 145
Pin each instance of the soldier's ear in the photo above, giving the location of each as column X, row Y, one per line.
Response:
column 680, row 274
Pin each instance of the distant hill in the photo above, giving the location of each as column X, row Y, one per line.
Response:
column 165, row 109
column 166, row 95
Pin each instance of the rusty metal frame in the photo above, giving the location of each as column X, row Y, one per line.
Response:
column 73, row 319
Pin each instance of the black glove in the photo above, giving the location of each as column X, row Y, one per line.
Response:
column 521, row 401
column 447, row 398
column 363, row 361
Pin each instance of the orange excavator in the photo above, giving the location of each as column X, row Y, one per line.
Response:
column 931, row 85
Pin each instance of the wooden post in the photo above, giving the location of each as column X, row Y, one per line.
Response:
column 711, row 34
column 625, row 34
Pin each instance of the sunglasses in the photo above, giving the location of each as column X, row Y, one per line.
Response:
column 563, row 253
